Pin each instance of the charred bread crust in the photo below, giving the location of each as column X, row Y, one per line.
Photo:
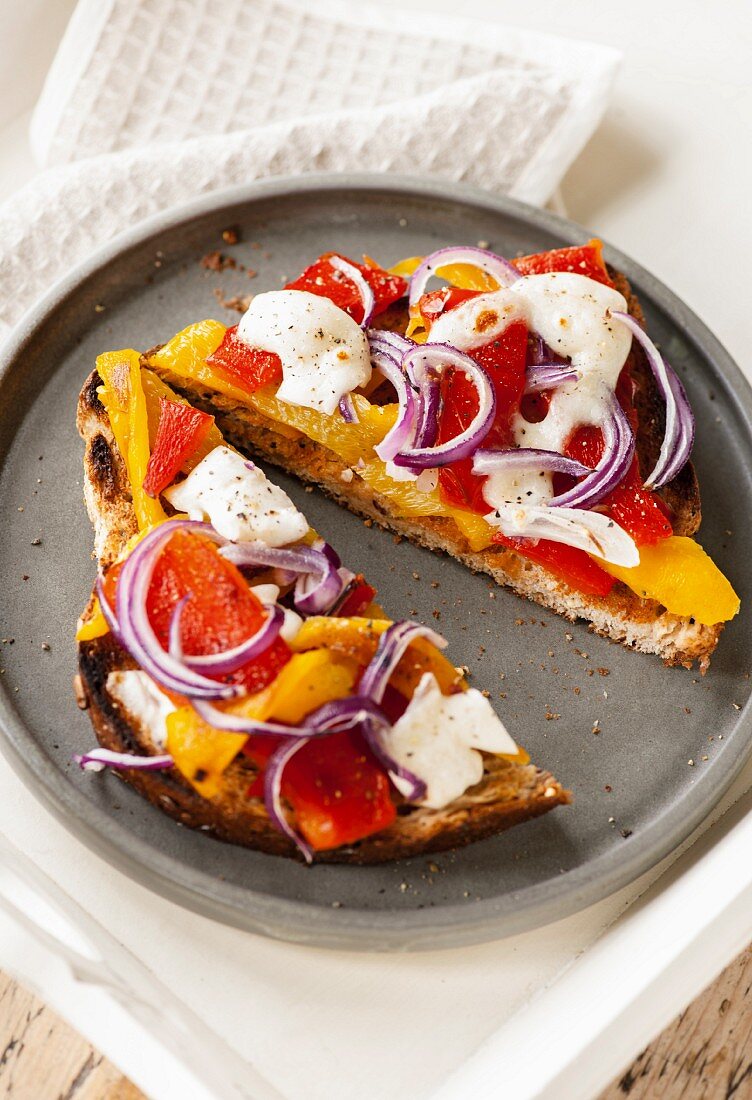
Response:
column 509, row 793
column 621, row 616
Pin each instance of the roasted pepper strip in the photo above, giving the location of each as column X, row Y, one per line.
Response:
column 680, row 575
column 123, row 397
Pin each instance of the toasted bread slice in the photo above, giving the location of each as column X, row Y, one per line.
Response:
column 509, row 793
column 622, row 616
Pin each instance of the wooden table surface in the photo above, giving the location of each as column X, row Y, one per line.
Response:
column 705, row 1054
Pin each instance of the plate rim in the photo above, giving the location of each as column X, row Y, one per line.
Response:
column 308, row 922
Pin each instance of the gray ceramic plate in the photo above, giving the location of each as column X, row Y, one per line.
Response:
column 636, row 797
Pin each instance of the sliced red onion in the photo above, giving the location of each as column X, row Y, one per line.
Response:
column 428, row 358
column 541, row 354
column 416, row 787
column 97, row 759
column 497, row 267
column 392, row 645
column 316, row 592
column 319, row 582
column 618, row 452
column 547, row 376
column 338, row 715
column 136, row 632
column 427, row 405
column 107, row 611
column 366, row 294
column 526, row 458
column 273, row 774
column 679, row 434
column 400, row 434
column 347, row 409
column 229, row 660
column 395, row 340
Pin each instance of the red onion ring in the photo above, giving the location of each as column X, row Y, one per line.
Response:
column 424, row 359
column 312, row 596
column 347, row 409
column 316, row 592
column 400, row 434
column 540, row 354
column 338, row 715
column 497, row 267
column 229, row 660
column 396, row 341
column 367, row 296
column 618, row 452
column 273, row 773
column 547, row 376
column 136, row 633
column 679, row 434
column 392, row 645
column 96, row 760
column 526, row 458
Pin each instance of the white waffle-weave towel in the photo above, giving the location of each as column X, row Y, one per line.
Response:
column 152, row 102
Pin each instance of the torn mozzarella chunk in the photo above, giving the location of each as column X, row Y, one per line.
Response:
column 324, row 352
column 438, row 738
column 240, row 502
column 143, row 701
column 269, row 594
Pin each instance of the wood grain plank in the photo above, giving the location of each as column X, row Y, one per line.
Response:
column 706, row 1053
column 43, row 1058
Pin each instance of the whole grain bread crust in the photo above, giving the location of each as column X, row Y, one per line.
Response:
column 508, row 794
column 622, row 616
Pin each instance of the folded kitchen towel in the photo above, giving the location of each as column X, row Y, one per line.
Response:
column 151, row 103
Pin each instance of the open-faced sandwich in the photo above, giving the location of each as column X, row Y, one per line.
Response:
column 517, row 417
column 240, row 677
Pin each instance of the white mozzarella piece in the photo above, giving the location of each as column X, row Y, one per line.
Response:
column 143, row 701
column 240, row 502
column 438, row 738
column 269, row 594
column 324, row 352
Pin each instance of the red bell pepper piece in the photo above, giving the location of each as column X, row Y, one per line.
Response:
column 248, row 368
column 585, row 259
column 571, row 565
column 222, row 610
column 180, row 431
column 338, row 791
column 326, row 281
column 357, row 599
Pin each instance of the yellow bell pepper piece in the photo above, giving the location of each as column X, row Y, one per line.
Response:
column 184, row 356
column 201, row 754
column 406, row 267
column 123, row 397
column 93, row 627
column 358, row 638
column 680, row 575
column 350, row 441
column 307, row 681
